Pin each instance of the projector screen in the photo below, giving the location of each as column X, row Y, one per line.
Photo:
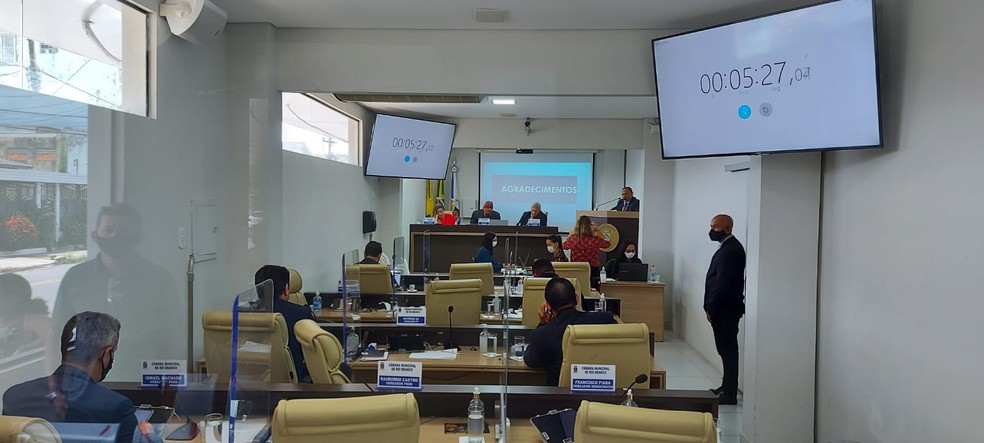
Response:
column 805, row 79
column 409, row 148
column 561, row 182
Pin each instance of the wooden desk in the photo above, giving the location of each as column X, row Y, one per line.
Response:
column 458, row 244
column 472, row 368
column 520, row 429
column 641, row 303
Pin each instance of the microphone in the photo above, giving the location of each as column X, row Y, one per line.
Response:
column 451, row 344
column 607, row 202
column 641, row 378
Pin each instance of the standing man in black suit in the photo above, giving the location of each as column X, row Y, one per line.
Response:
column 534, row 212
column 724, row 302
column 485, row 212
column 627, row 202
column 72, row 394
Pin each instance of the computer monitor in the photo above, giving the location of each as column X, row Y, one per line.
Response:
column 633, row 272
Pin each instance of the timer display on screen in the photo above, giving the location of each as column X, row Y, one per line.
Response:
column 409, row 148
column 800, row 80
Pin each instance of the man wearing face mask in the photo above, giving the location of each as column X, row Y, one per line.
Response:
column 127, row 286
column 72, row 394
column 724, row 302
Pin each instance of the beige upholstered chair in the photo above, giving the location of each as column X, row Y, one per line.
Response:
column 322, row 353
column 579, row 270
column 464, row 295
column 294, row 290
column 27, row 430
column 533, row 298
column 624, row 345
column 264, row 328
column 606, row 423
column 481, row 271
column 392, row 418
column 352, row 272
column 375, row 279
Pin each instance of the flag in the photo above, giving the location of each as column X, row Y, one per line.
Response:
column 429, row 199
column 454, row 188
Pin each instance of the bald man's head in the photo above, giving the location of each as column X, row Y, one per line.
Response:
column 721, row 226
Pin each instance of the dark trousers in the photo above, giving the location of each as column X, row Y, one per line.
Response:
column 726, row 341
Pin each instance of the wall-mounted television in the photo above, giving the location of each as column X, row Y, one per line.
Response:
column 800, row 80
column 409, row 148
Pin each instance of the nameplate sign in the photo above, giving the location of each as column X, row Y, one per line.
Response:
column 157, row 372
column 430, row 220
column 399, row 375
column 411, row 315
column 592, row 378
column 484, row 221
column 533, row 222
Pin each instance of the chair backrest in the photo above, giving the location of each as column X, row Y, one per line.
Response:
column 533, row 298
column 624, row 345
column 352, row 272
column 481, row 271
column 375, row 279
column 392, row 418
column 27, row 430
column 576, row 269
column 264, row 328
column 322, row 353
column 294, row 290
column 606, row 423
column 464, row 295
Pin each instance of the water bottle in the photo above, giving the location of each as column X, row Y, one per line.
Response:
column 652, row 274
column 496, row 304
column 476, row 418
column 628, row 400
column 352, row 345
column 397, row 276
column 483, row 340
column 604, row 276
column 601, row 306
column 316, row 303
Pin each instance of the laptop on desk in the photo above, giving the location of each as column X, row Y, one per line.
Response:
column 633, row 272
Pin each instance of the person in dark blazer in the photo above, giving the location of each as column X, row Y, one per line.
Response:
column 724, row 302
column 545, row 349
column 534, row 212
column 627, row 202
column 484, row 254
column 292, row 313
column 485, row 212
column 72, row 394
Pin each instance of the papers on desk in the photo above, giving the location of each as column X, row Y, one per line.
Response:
column 250, row 346
column 447, row 354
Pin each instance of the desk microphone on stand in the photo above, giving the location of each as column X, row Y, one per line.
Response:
column 641, row 378
column 607, row 202
column 451, row 344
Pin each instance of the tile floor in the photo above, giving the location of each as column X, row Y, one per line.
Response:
column 686, row 369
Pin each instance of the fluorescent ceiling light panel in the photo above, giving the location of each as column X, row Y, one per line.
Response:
column 503, row 101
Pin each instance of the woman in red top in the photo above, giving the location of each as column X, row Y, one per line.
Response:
column 585, row 242
column 443, row 218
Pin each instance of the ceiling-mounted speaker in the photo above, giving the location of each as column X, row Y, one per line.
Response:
column 198, row 21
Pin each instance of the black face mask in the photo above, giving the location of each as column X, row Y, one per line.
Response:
column 107, row 368
column 717, row 235
column 117, row 246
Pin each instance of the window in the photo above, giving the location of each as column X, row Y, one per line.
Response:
column 92, row 52
column 312, row 127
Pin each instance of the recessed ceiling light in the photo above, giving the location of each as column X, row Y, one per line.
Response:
column 503, row 101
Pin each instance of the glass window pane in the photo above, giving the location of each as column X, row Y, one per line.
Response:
column 313, row 128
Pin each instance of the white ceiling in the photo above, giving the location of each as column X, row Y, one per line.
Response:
column 530, row 106
column 667, row 15
column 523, row 14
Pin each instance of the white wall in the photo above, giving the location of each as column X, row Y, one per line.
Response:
column 701, row 189
column 899, row 332
column 655, row 188
column 587, row 134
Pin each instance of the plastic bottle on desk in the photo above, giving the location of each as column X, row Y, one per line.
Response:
column 496, row 304
column 476, row 418
column 602, row 306
column 483, row 340
column 652, row 274
column 316, row 303
column 628, row 400
column 603, row 277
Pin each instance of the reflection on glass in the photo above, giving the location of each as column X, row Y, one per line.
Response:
column 311, row 127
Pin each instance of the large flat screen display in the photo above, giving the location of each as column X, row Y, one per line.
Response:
column 409, row 148
column 800, row 80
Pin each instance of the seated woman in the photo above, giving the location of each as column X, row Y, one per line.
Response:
column 484, row 254
column 443, row 218
column 457, row 215
column 556, row 248
column 629, row 255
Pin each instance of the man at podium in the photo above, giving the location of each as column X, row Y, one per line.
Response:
column 627, row 202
